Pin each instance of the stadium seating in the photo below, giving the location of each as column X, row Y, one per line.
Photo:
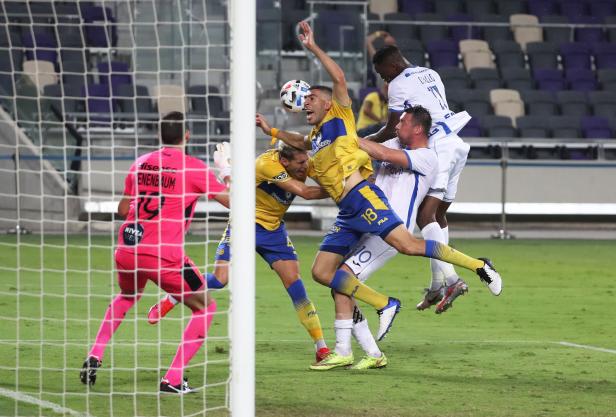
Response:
column 169, row 98
column 454, row 78
column 458, row 33
column 542, row 55
column 499, row 127
column 510, row 7
column 40, row 73
column 596, row 127
column 573, row 103
column 581, row 79
column 533, row 127
column 508, row 54
column 477, row 102
column 100, row 28
column 566, row 127
column 525, row 29
column 575, row 55
column 414, row 7
column 492, row 33
column 607, row 78
column 413, row 50
column 430, row 33
column 443, row 53
column 588, row 34
column 549, row 79
column 400, row 31
column 603, row 103
column 507, row 103
column 485, row 78
column 472, row 129
column 557, row 34
column 382, row 7
column 476, row 54
column 479, row 7
column 605, row 55
column 540, row 103
column 517, row 78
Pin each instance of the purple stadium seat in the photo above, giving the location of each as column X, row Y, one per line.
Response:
column 582, row 79
column 542, row 8
column 605, row 55
column 101, row 31
column 594, row 127
column 40, row 44
column 443, row 53
column 329, row 26
column 573, row 8
column 472, row 129
column 575, row 55
column 119, row 74
column 602, row 8
column 589, row 35
column 98, row 101
column 414, row 7
column 549, row 79
column 463, row 32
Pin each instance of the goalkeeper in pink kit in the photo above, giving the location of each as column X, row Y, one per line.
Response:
column 160, row 195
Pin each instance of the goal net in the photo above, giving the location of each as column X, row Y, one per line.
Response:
column 82, row 88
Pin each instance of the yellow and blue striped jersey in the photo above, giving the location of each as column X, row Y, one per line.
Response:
column 331, row 140
column 272, row 201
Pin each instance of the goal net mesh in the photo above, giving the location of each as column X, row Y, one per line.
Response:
column 82, row 87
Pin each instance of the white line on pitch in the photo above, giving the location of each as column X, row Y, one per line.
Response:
column 41, row 403
column 598, row 349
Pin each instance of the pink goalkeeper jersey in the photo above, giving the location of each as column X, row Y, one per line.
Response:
column 166, row 185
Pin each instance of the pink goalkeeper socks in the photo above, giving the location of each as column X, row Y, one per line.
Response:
column 113, row 318
column 193, row 337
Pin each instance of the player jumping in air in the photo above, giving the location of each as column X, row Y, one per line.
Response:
column 411, row 86
column 160, row 195
column 341, row 168
column 280, row 176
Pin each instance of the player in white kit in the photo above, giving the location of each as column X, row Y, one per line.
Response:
column 411, row 86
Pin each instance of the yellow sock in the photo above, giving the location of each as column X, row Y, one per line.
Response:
column 448, row 254
column 309, row 318
column 347, row 284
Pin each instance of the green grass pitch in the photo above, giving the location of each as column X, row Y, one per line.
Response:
column 487, row 356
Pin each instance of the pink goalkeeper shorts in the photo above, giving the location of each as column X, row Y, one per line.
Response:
column 176, row 278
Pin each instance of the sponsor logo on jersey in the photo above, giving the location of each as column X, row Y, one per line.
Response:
column 132, row 234
column 282, row 176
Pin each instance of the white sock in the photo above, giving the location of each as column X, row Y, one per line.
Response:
column 320, row 344
column 364, row 337
column 343, row 336
column 441, row 271
column 445, row 231
column 451, row 279
column 173, row 300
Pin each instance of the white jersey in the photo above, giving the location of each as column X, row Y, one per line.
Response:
column 405, row 188
column 419, row 86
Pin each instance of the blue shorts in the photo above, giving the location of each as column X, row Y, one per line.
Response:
column 272, row 245
column 364, row 209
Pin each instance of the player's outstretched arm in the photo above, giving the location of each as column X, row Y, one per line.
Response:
column 308, row 192
column 341, row 94
column 223, row 198
column 383, row 153
column 123, row 207
column 292, row 139
column 388, row 131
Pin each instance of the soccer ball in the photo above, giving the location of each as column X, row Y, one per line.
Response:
column 292, row 95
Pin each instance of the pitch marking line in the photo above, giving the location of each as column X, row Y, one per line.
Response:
column 588, row 347
column 41, row 403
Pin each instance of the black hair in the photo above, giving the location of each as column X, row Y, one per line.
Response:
column 421, row 116
column 172, row 128
column 325, row 88
column 288, row 152
column 384, row 53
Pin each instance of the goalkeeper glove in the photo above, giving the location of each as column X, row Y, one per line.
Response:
column 351, row 162
column 222, row 160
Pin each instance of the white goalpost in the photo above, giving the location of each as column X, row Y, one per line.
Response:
column 82, row 88
column 243, row 104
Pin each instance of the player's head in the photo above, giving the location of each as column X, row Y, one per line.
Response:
column 173, row 129
column 389, row 62
column 415, row 123
column 295, row 161
column 317, row 104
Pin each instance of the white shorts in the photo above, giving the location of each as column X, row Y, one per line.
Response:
column 452, row 153
column 370, row 254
